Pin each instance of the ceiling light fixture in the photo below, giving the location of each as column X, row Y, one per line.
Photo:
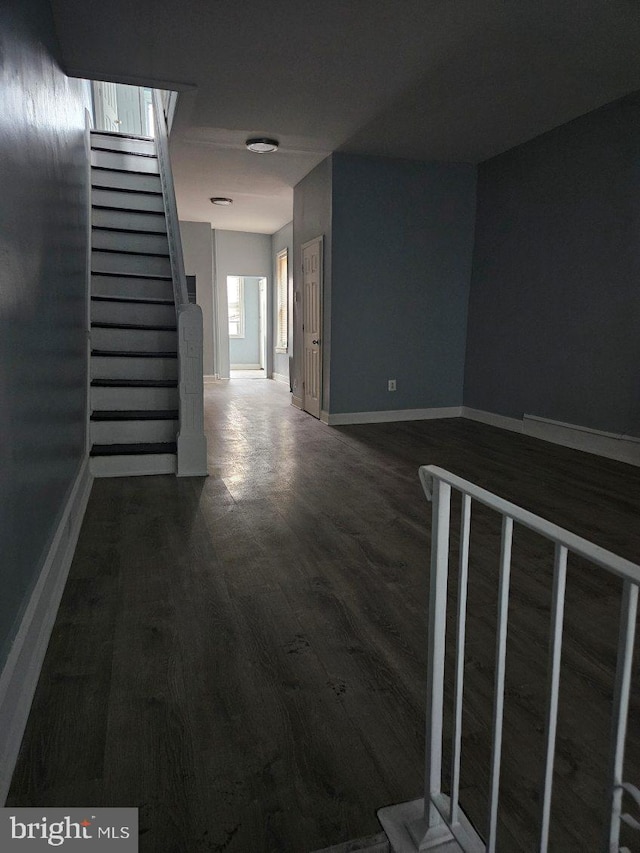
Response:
column 224, row 202
column 262, row 145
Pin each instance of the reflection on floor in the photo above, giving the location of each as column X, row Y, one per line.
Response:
column 242, row 657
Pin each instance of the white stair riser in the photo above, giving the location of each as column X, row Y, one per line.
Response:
column 128, row 219
column 123, row 160
column 129, row 264
column 141, row 288
column 130, row 241
column 119, row 399
column 105, row 178
column 127, row 200
column 122, row 143
column 133, row 432
column 132, row 466
column 134, row 340
column 133, row 312
column 130, row 367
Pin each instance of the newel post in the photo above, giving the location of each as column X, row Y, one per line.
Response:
column 191, row 440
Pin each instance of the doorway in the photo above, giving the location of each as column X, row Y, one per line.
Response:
column 120, row 108
column 247, row 306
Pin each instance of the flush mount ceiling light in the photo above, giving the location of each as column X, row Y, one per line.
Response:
column 224, row 202
column 261, row 145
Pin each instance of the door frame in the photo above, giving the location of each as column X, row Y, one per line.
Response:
column 263, row 324
column 320, row 241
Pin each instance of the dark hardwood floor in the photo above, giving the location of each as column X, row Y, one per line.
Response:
column 243, row 657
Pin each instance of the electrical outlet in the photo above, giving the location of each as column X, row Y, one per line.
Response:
column 391, row 385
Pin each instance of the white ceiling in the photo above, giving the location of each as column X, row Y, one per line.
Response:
column 453, row 80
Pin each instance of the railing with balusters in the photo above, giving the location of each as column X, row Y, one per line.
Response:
column 437, row 819
column 191, row 440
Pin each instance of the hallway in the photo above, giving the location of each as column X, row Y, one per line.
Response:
column 243, row 657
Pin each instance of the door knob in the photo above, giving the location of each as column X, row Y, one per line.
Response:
column 315, row 342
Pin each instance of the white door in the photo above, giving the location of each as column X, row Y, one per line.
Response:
column 312, row 325
column 105, row 101
column 262, row 287
column 131, row 110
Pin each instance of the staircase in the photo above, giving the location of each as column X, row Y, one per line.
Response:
column 134, row 359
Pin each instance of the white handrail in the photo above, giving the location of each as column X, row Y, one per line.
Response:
column 441, row 814
column 170, row 207
column 191, row 440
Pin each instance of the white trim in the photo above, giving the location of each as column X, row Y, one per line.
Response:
column 241, row 308
column 280, row 377
column 246, row 367
column 390, row 416
column 137, row 465
column 296, row 401
column 623, row 448
column 21, row 672
column 492, row 419
column 282, row 300
column 403, row 823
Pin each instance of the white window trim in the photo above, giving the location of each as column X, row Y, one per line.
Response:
column 282, row 298
column 241, row 323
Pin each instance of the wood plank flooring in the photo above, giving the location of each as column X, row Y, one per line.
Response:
column 243, row 657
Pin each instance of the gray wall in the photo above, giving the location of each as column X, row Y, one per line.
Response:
column 282, row 239
column 197, row 247
column 237, row 253
column 312, row 218
column 402, row 248
column 247, row 350
column 43, row 251
column 555, row 301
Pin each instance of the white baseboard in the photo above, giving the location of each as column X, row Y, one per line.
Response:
column 280, row 377
column 492, row 419
column 296, row 401
column 245, row 367
column 622, row 448
column 20, row 675
column 392, row 416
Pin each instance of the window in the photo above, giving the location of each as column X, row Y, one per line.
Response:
column 235, row 297
column 282, row 301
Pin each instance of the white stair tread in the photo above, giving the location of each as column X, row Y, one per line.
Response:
column 122, row 160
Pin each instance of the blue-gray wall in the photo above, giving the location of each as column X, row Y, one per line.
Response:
column 247, row 350
column 43, row 218
column 282, row 239
column 401, row 266
column 311, row 219
column 554, row 316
